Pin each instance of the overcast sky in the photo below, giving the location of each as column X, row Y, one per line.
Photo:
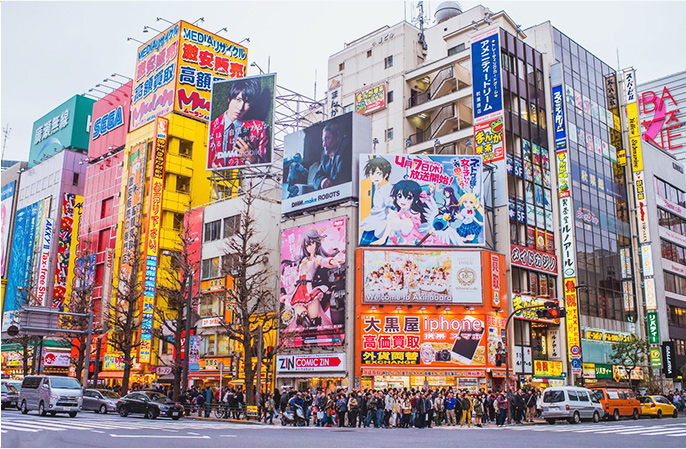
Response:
column 54, row 50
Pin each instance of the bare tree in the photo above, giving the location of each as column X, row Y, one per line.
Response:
column 124, row 316
column 81, row 301
column 170, row 317
column 27, row 343
column 252, row 298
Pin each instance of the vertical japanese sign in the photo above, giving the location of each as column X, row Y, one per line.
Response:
column 613, row 121
column 135, row 185
column 153, row 238
column 69, row 226
column 44, row 260
column 573, row 337
column 489, row 123
column 653, row 328
column 333, row 96
column 193, row 226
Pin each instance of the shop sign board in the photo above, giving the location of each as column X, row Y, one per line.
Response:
column 321, row 362
column 655, row 357
column 653, row 329
column 532, row 259
column 649, row 293
column 603, row 371
column 371, row 99
column 547, row 368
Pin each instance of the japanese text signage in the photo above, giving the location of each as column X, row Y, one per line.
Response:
column 560, row 127
column 44, row 261
column 524, row 301
column 653, row 328
column 310, row 362
column 530, row 258
column 67, row 239
column 175, row 71
column 547, row 368
column 110, row 121
column 568, row 252
column 421, row 339
column 573, row 337
column 487, row 95
column 371, row 100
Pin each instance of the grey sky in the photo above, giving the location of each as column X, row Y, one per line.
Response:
column 53, row 50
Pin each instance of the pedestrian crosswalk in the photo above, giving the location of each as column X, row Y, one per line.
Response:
column 622, row 428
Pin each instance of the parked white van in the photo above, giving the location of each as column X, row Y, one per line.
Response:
column 51, row 395
column 571, row 403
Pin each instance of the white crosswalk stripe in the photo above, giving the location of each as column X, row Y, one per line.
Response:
column 674, row 430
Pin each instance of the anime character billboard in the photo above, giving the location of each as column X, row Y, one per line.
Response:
column 422, row 200
column 312, row 290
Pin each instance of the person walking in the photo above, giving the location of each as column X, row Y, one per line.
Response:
column 270, row 407
column 519, row 406
column 430, row 407
column 530, row 401
column 352, row 409
column 420, row 417
column 407, row 411
column 388, row 409
column 371, row 410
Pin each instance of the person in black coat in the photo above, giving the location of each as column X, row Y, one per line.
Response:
column 420, row 419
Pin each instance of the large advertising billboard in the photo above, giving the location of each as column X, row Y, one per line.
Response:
column 489, row 123
column 66, row 126
column 372, row 99
column 135, row 183
column 423, row 340
column 421, row 277
column 421, row 200
column 110, row 121
column 6, row 206
column 67, row 238
column 175, row 71
column 241, row 128
column 313, row 278
column 320, row 163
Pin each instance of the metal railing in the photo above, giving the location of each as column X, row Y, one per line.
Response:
column 443, row 75
column 445, row 113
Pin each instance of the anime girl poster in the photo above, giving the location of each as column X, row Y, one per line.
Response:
column 421, row 200
column 312, row 287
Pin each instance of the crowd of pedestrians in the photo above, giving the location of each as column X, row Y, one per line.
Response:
column 405, row 408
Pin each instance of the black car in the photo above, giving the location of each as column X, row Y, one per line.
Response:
column 10, row 396
column 151, row 404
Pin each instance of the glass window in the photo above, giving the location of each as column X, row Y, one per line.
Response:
column 213, row 230
column 231, row 225
column 388, row 62
column 210, row 268
column 523, row 108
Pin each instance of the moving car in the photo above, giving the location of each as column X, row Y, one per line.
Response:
column 10, row 396
column 100, row 401
column 570, row 403
column 658, row 406
column 51, row 395
column 618, row 402
column 149, row 403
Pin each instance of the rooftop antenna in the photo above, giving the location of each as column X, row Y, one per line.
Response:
column 5, row 134
column 420, row 19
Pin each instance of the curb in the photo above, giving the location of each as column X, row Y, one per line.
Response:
column 234, row 421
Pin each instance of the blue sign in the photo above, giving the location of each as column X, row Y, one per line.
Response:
column 21, row 256
column 576, row 363
column 559, row 125
column 108, row 122
column 486, row 81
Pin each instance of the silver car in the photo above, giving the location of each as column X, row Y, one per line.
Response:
column 572, row 404
column 100, row 401
column 51, row 395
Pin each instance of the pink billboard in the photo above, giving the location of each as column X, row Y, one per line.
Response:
column 312, row 294
column 110, row 121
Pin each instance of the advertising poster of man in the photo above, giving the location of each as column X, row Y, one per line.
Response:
column 312, row 292
column 422, row 200
column 241, row 122
column 424, row 277
column 319, row 162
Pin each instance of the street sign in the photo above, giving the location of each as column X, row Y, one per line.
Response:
column 575, row 350
column 655, row 357
column 653, row 330
column 576, row 363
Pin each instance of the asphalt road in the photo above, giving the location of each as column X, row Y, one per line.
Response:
column 92, row 430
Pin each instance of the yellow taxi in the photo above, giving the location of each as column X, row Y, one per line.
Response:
column 657, row 406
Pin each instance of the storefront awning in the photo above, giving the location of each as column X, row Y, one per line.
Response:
column 308, row 374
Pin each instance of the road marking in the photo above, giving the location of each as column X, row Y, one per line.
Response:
column 201, row 437
column 193, row 433
column 97, row 431
column 229, row 436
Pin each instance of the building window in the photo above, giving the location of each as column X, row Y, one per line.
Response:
column 389, row 97
column 185, row 148
column 676, row 316
column 675, row 283
column 456, row 49
column 183, row 184
column 348, row 108
column 74, row 179
column 389, row 134
column 341, row 66
column 207, row 344
column 504, row 60
column 231, row 225
column 210, row 268
column 106, row 207
column 369, row 53
column 388, row 62
column 178, row 221
column 213, row 231
column 103, row 240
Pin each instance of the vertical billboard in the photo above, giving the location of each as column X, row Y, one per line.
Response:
column 175, row 71
column 320, row 163
column 110, row 121
column 313, row 279
column 44, row 251
column 422, row 277
column 72, row 206
column 241, row 130
column 135, row 184
column 153, row 238
column 372, row 99
column 193, row 229
column 66, row 126
column 6, row 207
column 489, row 121
column 420, row 200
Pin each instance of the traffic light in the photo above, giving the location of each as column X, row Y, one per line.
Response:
column 498, row 359
column 270, row 352
column 551, row 310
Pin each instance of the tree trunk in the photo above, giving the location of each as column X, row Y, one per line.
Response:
column 127, row 373
column 249, row 373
